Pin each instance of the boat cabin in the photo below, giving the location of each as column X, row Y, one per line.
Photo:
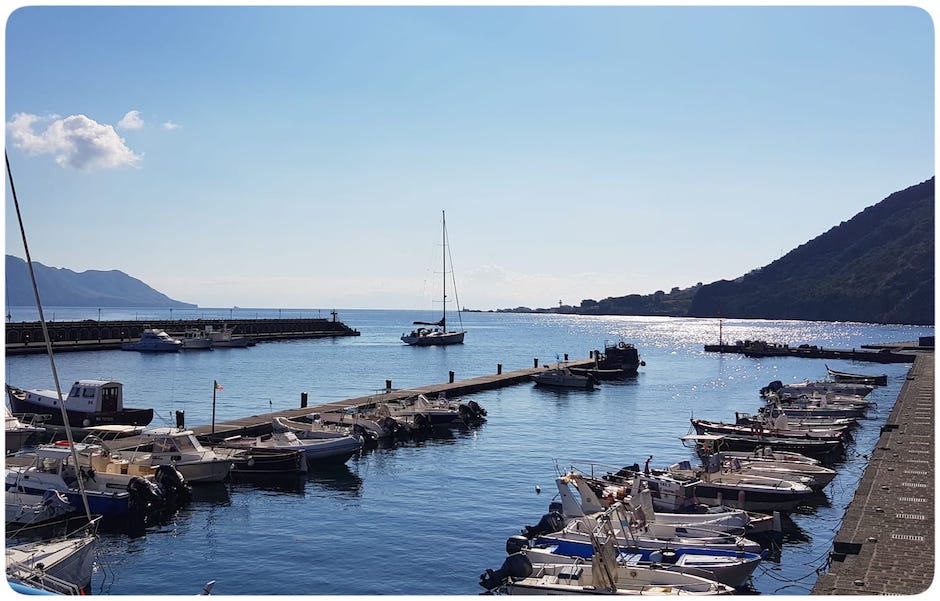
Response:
column 88, row 396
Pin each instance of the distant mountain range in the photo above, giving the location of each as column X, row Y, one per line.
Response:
column 878, row 267
column 66, row 288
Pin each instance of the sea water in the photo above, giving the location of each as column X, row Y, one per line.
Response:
column 428, row 517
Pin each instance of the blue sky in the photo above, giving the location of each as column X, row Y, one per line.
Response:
column 301, row 156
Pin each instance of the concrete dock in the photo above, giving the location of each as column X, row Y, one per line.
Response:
column 886, row 543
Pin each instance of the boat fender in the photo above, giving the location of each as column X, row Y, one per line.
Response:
column 62, row 443
column 515, row 544
column 515, row 566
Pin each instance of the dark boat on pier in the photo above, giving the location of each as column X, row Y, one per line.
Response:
column 89, row 403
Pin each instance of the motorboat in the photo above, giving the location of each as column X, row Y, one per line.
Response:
column 771, row 417
column 580, row 517
column 733, row 568
column 61, row 565
column 422, row 413
column 716, row 486
column 673, row 502
column 436, row 333
column 112, row 495
column 704, row 426
column 225, row 338
column 316, row 451
column 845, row 377
column 154, row 340
column 195, row 339
column 26, row 509
column 89, row 403
column 563, row 377
column 821, row 449
column 251, row 462
column 816, row 477
column 179, row 448
column 19, row 434
column 808, row 387
column 313, row 427
column 602, row 574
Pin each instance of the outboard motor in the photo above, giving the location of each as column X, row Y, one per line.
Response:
column 477, row 408
column 555, row 507
column 550, row 522
column 174, row 486
column 515, row 544
column 516, row 566
column 145, row 496
column 772, row 387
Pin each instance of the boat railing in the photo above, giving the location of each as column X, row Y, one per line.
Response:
column 37, row 578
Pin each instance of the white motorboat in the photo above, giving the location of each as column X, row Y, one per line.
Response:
column 436, row 333
column 601, row 575
column 225, row 338
column 562, row 377
column 19, row 434
column 733, row 568
column 181, row 449
column 715, row 486
column 316, row 451
column 52, row 468
column 154, row 340
column 631, row 526
column 195, row 339
column 816, row 477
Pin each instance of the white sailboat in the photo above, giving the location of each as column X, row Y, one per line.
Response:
column 435, row 333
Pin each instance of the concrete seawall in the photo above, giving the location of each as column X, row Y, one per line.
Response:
column 886, row 543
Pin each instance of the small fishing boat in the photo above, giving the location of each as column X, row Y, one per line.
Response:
column 225, row 338
column 89, row 403
column 154, row 340
column 704, row 426
column 784, row 391
column 563, row 377
column 602, row 575
column 841, row 376
column 195, row 339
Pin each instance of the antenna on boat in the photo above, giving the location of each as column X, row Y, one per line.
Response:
column 48, row 341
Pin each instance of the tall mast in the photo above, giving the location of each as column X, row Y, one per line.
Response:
column 444, row 259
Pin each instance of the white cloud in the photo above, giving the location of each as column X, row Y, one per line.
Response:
column 170, row 125
column 131, row 120
column 75, row 141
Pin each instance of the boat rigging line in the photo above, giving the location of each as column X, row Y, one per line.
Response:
column 47, row 339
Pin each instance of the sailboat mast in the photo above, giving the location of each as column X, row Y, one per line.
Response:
column 444, row 259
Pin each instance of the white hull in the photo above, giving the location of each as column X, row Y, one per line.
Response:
column 70, row 560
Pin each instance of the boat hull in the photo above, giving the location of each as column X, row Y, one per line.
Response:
column 80, row 419
column 434, row 339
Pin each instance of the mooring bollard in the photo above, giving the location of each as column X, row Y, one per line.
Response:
column 451, row 377
column 535, row 362
column 388, row 385
column 499, row 369
column 566, row 356
column 303, row 400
